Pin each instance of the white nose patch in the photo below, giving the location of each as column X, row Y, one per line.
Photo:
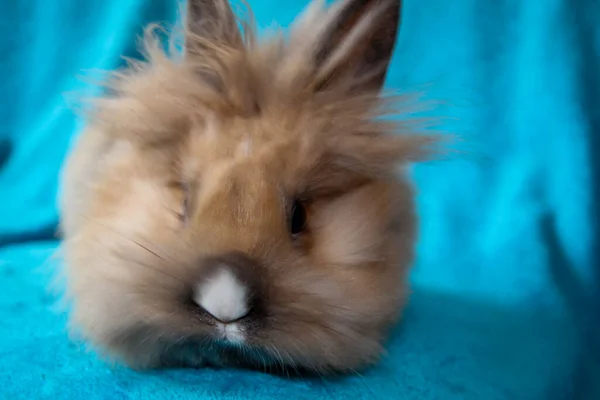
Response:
column 223, row 296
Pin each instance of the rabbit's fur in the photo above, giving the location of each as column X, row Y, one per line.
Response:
column 185, row 182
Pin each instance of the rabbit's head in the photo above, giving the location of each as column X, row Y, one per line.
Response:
column 239, row 204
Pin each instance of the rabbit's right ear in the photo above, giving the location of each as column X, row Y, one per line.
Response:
column 210, row 21
column 350, row 42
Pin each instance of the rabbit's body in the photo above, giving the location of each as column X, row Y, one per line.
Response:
column 240, row 206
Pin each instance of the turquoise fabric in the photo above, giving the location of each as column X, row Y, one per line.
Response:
column 506, row 300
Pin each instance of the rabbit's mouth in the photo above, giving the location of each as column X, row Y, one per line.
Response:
column 226, row 354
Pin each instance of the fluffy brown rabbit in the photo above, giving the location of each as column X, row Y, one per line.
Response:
column 239, row 203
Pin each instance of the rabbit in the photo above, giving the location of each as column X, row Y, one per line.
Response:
column 242, row 202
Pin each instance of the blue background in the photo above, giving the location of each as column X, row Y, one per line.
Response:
column 506, row 302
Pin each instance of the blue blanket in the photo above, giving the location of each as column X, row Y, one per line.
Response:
column 506, row 301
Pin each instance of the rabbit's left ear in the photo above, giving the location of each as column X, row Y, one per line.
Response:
column 211, row 21
column 357, row 43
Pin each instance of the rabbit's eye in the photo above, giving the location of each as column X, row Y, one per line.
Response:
column 187, row 202
column 183, row 198
column 298, row 218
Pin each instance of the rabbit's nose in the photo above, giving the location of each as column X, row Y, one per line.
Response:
column 223, row 296
column 226, row 290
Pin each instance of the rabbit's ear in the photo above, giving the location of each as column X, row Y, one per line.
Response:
column 357, row 44
column 211, row 22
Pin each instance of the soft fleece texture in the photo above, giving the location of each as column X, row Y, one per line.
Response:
column 505, row 302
